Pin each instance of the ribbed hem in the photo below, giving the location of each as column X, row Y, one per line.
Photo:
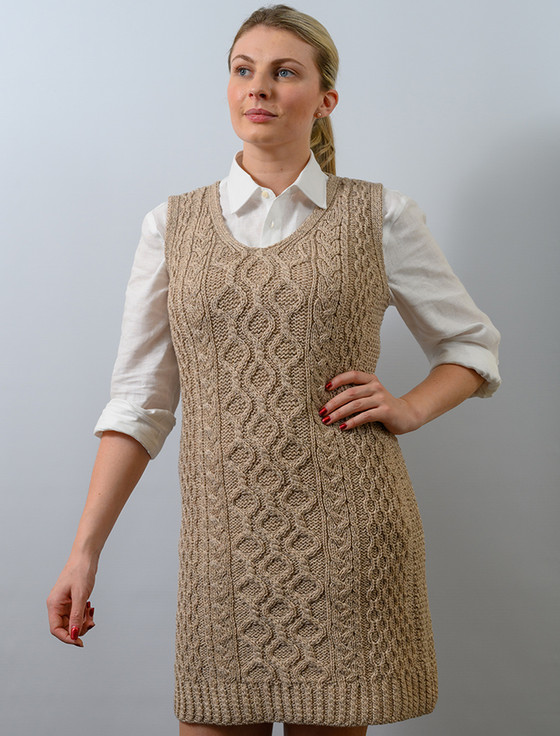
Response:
column 359, row 703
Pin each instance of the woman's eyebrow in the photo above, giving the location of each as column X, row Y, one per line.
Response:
column 274, row 61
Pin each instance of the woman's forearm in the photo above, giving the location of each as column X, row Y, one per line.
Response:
column 119, row 464
column 118, row 467
column 446, row 386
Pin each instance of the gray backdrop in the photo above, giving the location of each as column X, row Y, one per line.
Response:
column 108, row 108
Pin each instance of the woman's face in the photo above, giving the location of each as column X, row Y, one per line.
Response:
column 274, row 70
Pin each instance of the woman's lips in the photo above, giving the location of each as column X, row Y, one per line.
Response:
column 258, row 115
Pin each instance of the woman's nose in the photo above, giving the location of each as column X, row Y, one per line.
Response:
column 259, row 88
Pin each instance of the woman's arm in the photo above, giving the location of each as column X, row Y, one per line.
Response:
column 446, row 386
column 431, row 299
column 118, row 467
column 145, row 380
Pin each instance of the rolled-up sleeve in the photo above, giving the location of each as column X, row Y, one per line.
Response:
column 431, row 299
column 145, row 379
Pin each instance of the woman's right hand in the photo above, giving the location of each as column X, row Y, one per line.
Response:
column 68, row 606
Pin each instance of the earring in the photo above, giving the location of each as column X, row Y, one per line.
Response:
column 317, row 114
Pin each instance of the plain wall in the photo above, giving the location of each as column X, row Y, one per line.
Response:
column 108, row 108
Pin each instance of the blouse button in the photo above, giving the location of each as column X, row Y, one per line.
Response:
column 264, row 194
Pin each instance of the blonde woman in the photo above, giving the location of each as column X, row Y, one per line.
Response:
column 258, row 300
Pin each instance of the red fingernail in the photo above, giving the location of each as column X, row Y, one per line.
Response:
column 342, row 426
column 322, row 411
column 91, row 610
column 328, row 385
column 326, row 419
column 88, row 604
column 74, row 633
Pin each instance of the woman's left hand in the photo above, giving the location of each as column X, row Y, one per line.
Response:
column 370, row 401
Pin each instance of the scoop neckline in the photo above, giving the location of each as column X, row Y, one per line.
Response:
column 309, row 222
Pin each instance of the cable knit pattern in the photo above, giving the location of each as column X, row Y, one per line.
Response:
column 302, row 594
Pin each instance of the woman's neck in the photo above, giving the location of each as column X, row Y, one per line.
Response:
column 273, row 169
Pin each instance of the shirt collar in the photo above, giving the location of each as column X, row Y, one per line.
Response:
column 312, row 182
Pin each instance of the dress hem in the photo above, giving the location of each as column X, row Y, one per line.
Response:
column 329, row 703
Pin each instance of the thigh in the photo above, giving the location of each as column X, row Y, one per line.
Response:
column 300, row 729
column 216, row 729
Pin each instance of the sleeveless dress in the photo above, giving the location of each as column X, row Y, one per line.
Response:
column 302, row 594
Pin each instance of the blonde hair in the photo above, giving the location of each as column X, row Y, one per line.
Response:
column 326, row 58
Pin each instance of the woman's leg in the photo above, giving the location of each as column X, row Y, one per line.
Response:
column 215, row 729
column 300, row 729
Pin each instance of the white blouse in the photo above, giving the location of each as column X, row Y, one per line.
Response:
column 429, row 297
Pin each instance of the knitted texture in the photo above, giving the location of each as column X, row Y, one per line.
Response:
column 302, row 595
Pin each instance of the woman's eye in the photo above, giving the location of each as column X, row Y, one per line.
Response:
column 240, row 69
column 280, row 72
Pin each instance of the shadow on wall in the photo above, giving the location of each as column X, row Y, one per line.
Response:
column 507, row 232
column 508, row 237
column 508, row 253
column 485, row 474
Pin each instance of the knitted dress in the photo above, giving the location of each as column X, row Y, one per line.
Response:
column 302, row 594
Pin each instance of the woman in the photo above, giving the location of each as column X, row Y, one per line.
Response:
column 302, row 595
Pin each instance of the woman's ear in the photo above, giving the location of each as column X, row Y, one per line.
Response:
column 329, row 102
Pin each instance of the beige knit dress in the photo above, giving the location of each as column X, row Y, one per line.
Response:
column 302, row 593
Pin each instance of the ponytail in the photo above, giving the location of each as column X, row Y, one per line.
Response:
column 322, row 144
